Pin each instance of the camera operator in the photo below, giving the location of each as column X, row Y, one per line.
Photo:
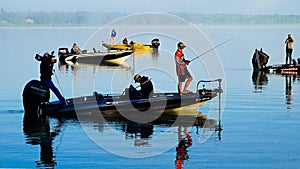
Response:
column 46, row 70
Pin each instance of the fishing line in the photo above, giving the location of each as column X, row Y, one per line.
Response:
column 211, row 49
column 58, row 83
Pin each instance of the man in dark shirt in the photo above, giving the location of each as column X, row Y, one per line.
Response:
column 46, row 70
column 146, row 88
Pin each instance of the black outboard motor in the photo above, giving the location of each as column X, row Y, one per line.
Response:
column 259, row 59
column 155, row 43
column 63, row 53
column 34, row 94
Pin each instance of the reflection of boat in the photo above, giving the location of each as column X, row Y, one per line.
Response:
column 98, row 57
column 259, row 79
column 159, row 102
column 105, row 65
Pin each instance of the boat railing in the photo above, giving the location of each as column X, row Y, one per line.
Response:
column 218, row 90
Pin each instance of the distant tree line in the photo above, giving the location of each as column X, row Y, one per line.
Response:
column 84, row 18
column 42, row 18
column 239, row 19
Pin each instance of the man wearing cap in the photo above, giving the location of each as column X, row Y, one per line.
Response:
column 146, row 87
column 181, row 69
column 46, row 70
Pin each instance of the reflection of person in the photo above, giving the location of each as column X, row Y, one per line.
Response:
column 288, row 89
column 113, row 36
column 181, row 149
column 289, row 49
column 75, row 49
column 181, row 69
column 46, row 70
column 146, row 87
column 37, row 132
column 140, row 132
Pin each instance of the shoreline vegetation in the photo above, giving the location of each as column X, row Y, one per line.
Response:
column 85, row 18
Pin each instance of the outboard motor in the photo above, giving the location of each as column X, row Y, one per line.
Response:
column 155, row 43
column 63, row 53
column 259, row 59
column 34, row 94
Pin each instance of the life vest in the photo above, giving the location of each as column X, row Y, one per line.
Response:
column 180, row 64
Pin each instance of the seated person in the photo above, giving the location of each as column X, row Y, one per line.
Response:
column 125, row 41
column 146, row 88
column 75, row 49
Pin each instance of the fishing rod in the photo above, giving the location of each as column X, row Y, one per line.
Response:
column 211, row 49
column 58, row 83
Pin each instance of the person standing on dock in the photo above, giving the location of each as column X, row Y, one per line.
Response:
column 113, row 36
column 289, row 49
column 181, row 69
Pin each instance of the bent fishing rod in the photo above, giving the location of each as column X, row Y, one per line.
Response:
column 211, row 49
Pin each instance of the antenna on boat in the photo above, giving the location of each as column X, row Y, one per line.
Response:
column 211, row 49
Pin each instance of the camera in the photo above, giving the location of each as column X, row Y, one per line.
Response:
column 53, row 60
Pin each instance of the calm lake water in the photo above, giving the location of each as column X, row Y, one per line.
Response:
column 260, row 118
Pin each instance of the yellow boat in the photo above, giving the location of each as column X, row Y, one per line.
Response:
column 135, row 46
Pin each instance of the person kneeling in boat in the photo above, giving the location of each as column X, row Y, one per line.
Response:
column 46, row 71
column 146, row 88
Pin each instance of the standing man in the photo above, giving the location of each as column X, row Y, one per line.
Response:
column 181, row 69
column 46, row 70
column 289, row 48
column 113, row 36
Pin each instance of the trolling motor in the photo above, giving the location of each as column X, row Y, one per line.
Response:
column 35, row 92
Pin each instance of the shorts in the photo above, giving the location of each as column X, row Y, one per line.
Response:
column 182, row 78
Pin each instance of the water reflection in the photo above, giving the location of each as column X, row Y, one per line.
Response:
column 138, row 132
column 37, row 132
column 288, row 89
column 259, row 79
column 142, row 135
column 155, row 54
column 68, row 65
column 41, row 132
column 184, row 141
column 289, row 80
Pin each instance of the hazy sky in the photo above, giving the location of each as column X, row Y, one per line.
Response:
column 133, row 6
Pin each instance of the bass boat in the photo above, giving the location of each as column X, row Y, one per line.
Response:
column 36, row 102
column 95, row 57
